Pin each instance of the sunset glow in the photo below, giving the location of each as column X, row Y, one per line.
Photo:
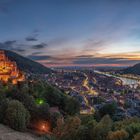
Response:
column 72, row 33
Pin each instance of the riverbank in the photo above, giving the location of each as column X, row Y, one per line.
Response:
column 125, row 81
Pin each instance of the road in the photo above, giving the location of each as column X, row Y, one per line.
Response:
column 90, row 91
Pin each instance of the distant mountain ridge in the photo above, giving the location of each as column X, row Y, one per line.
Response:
column 26, row 64
column 133, row 70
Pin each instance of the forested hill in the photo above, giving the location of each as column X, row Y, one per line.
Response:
column 133, row 70
column 26, row 64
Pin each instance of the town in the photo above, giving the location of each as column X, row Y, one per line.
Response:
column 94, row 89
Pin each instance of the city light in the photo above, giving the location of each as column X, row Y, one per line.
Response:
column 43, row 126
column 40, row 101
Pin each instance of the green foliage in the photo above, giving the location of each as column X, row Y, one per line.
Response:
column 118, row 135
column 27, row 100
column 54, row 96
column 82, row 133
column 88, row 123
column 43, row 112
column 53, row 119
column 3, row 88
column 37, row 88
column 17, row 117
column 124, row 123
column 36, row 97
column 100, row 131
column 72, row 106
column 85, row 119
column 131, row 125
column 137, row 136
column 132, row 129
column 108, row 109
column 2, row 97
column 3, row 107
column 86, row 128
column 70, row 128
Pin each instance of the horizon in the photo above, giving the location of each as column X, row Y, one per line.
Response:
column 72, row 32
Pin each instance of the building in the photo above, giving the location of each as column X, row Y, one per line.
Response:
column 9, row 70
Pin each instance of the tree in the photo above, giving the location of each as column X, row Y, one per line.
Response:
column 88, row 123
column 70, row 128
column 124, row 123
column 43, row 112
column 17, row 117
column 2, row 97
column 137, row 136
column 118, row 135
column 53, row 119
column 82, row 133
column 133, row 129
column 52, row 96
column 36, row 88
column 27, row 100
column 3, row 107
column 72, row 106
column 108, row 109
column 101, row 130
column 85, row 119
column 59, row 126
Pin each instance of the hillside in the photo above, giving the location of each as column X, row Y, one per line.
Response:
column 7, row 133
column 26, row 64
column 133, row 70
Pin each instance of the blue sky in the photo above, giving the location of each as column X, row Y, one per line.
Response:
column 72, row 32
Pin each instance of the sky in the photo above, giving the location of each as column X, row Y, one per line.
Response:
column 72, row 32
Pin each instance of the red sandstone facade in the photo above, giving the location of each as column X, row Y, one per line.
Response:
column 9, row 70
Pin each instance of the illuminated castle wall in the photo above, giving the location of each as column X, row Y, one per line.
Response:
column 9, row 70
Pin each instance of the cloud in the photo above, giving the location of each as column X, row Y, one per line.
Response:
column 39, row 46
column 36, row 53
column 7, row 44
column 31, row 38
column 10, row 42
column 58, row 41
column 85, row 56
column 19, row 50
column 39, row 57
column 11, row 45
column 95, row 45
column 103, row 60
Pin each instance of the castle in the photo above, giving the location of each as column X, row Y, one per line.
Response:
column 9, row 70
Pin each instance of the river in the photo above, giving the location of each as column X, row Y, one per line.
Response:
column 126, row 81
